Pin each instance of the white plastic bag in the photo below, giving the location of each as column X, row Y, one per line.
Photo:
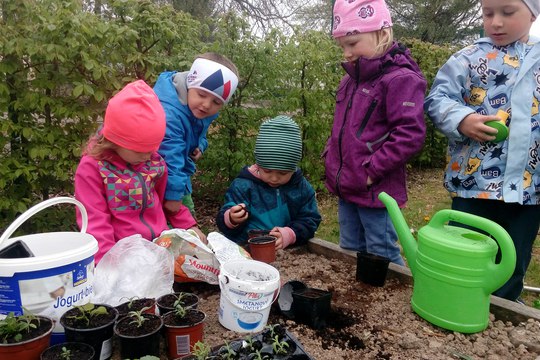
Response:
column 133, row 267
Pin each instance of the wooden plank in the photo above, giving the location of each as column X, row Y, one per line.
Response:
column 503, row 309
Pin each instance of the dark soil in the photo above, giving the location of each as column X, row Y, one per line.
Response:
column 71, row 318
column 127, row 327
column 166, row 302
column 192, row 317
column 136, row 305
column 42, row 326
column 77, row 351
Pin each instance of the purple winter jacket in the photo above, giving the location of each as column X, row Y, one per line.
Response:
column 378, row 126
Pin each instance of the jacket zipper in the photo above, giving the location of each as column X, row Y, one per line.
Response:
column 340, row 138
column 144, row 201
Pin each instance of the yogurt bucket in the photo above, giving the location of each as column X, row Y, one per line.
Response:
column 248, row 289
column 54, row 274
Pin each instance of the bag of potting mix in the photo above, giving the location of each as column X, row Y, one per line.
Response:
column 196, row 261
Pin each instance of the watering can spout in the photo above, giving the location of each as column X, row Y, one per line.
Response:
column 406, row 239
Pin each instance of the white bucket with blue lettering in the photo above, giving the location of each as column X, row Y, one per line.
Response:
column 248, row 289
column 47, row 273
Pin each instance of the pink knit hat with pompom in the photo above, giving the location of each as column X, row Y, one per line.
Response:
column 359, row 16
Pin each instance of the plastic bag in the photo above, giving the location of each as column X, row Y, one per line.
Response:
column 133, row 267
column 196, row 261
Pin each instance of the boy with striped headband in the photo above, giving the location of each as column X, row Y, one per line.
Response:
column 191, row 100
column 272, row 194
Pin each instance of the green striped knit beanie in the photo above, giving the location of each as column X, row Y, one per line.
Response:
column 279, row 144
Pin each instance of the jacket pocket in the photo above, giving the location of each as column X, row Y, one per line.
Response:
column 366, row 117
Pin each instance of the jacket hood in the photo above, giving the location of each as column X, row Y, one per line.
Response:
column 171, row 88
column 397, row 56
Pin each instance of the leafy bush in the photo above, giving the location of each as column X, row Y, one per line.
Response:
column 62, row 63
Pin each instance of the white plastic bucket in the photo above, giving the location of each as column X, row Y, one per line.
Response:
column 58, row 276
column 248, row 289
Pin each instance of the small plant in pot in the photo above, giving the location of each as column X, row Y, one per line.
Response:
column 91, row 324
column 24, row 336
column 136, row 304
column 169, row 302
column 68, row 351
column 138, row 334
column 183, row 329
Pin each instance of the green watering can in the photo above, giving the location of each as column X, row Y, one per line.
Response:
column 454, row 268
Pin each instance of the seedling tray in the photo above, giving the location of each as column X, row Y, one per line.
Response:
column 242, row 347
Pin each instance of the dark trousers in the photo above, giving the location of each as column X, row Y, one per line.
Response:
column 520, row 221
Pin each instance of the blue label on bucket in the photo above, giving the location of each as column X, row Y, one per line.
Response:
column 49, row 291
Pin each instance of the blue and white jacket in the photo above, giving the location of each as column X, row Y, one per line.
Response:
column 183, row 134
column 484, row 78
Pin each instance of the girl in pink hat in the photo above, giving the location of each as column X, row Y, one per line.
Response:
column 121, row 178
column 378, row 126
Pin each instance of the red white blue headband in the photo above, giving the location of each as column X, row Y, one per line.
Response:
column 213, row 77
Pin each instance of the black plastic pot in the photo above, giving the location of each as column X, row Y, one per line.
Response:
column 77, row 351
column 311, row 306
column 139, row 345
column 371, row 269
column 100, row 338
column 285, row 298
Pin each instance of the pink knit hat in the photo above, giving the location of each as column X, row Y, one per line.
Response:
column 359, row 16
column 135, row 119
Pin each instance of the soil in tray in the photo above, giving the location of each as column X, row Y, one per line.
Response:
column 263, row 343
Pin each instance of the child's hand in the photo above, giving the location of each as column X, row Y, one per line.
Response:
column 474, row 127
column 238, row 214
column 279, row 242
column 172, row 206
column 201, row 235
column 196, row 154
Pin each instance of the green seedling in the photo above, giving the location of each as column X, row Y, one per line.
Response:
column 279, row 347
column 130, row 300
column 138, row 316
column 259, row 356
column 88, row 311
column 14, row 326
column 65, row 354
column 201, row 350
column 227, row 352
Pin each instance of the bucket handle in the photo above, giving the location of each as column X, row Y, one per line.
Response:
column 42, row 205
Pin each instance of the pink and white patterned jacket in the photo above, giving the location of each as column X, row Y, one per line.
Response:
column 124, row 199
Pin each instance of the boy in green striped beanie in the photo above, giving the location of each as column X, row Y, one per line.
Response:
column 272, row 194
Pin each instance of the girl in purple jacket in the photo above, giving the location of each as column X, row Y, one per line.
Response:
column 378, row 126
column 121, row 178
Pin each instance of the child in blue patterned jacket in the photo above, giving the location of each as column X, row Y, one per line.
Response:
column 498, row 180
column 272, row 193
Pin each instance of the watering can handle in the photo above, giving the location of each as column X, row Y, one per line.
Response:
column 502, row 237
column 42, row 205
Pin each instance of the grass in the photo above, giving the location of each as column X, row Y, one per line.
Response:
column 426, row 197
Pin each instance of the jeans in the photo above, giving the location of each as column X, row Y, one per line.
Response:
column 369, row 230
